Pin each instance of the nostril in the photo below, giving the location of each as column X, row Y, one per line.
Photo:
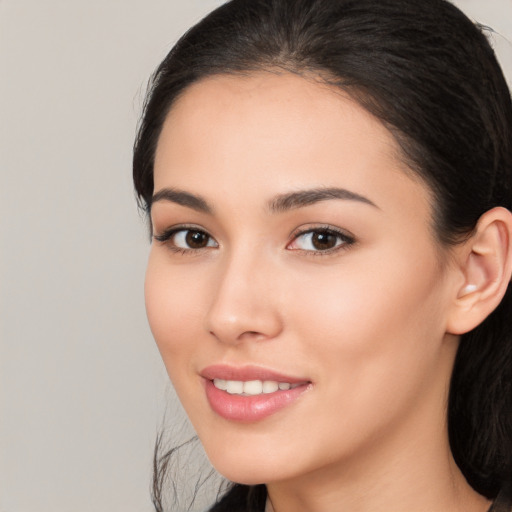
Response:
column 245, row 335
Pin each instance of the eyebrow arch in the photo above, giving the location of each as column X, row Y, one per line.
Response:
column 303, row 198
column 182, row 198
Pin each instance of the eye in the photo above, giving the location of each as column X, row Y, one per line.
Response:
column 186, row 239
column 191, row 239
column 320, row 240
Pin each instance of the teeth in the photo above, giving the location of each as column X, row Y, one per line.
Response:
column 270, row 386
column 235, row 387
column 221, row 384
column 251, row 387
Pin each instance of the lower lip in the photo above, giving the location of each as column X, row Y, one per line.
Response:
column 251, row 408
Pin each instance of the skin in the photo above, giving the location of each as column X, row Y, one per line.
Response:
column 367, row 323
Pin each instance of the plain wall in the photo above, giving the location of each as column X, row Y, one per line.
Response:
column 82, row 388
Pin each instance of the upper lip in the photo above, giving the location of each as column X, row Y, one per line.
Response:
column 247, row 373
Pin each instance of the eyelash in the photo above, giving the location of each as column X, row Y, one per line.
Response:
column 344, row 240
column 166, row 239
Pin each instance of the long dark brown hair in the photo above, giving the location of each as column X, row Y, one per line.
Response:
column 431, row 77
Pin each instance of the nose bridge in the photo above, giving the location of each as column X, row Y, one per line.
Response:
column 243, row 304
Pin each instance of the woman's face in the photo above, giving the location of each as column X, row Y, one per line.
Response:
column 294, row 263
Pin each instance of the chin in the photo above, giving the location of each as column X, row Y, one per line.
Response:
column 241, row 464
column 251, row 462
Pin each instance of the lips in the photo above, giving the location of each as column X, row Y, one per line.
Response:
column 250, row 393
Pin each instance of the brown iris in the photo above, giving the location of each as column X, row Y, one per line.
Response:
column 196, row 239
column 324, row 240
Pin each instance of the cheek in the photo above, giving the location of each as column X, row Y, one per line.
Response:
column 372, row 341
column 173, row 307
column 371, row 320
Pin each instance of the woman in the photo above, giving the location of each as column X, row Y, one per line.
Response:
column 328, row 184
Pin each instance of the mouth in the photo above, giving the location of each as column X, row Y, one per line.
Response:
column 252, row 387
column 250, row 394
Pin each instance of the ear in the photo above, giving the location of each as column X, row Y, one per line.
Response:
column 486, row 264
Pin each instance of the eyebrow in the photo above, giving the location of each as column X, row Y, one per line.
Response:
column 182, row 198
column 279, row 204
column 308, row 197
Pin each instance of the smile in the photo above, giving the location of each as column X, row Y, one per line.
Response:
column 250, row 394
column 252, row 387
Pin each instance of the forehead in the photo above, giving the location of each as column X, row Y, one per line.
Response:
column 269, row 132
column 264, row 104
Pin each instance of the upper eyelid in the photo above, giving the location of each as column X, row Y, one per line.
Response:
column 323, row 227
column 182, row 227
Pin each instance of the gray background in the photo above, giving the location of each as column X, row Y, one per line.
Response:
column 82, row 389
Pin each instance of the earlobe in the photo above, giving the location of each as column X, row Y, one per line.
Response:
column 486, row 263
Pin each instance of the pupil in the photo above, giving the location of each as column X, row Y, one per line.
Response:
column 324, row 240
column 196, row 239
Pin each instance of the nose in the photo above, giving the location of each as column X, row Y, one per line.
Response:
column 244, row 304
